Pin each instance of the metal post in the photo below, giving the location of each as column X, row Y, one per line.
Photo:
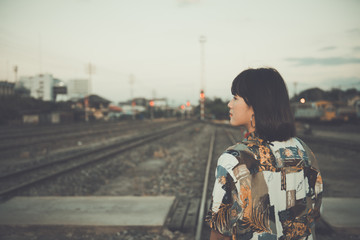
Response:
column 131, row 81
column 90, row 70
column 15, row 73
column 202, row 105
column 40, row 55
column 202, row 96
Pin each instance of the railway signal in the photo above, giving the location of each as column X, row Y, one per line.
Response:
column 151, row 104
column 202, row 40
column 202, row 105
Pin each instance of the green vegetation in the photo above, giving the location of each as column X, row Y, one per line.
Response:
column 215, row 109
column 334, row 95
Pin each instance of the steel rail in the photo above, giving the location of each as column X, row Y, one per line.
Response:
column 311, row 139
column 27, row 132
column 35, row 131
column 205, row 187
column 73, row 156
column 43, row 131
column 61, row 135
column 117, row 148
column 230, row 136
column 334, row 143
column 206, row 180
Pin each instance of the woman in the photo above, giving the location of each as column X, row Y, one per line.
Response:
column 268, row 186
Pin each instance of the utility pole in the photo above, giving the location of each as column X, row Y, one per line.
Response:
column 132, row 81
column 40, row 55
column 7, row 70
column 202, row 76
column 295, row 85
column 90, row 70
column 15, row 73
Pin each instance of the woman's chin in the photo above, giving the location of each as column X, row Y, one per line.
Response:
column 232, row 123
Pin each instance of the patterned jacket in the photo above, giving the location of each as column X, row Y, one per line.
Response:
column 266, row 191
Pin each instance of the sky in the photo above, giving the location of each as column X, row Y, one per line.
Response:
column 156, row 43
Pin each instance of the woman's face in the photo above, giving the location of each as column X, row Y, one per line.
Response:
column 241, row 113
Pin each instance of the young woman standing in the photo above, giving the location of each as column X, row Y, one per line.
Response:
column 269, row 186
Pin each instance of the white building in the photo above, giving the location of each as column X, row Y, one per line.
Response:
column 160, row 103
column 78, row 88
column 40, row 86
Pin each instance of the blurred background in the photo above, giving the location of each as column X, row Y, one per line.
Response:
column 119, row 50
column 87, row 75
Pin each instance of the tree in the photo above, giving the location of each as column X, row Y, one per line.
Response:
column 214, row 108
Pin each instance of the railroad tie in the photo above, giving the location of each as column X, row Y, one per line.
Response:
column 183, row 215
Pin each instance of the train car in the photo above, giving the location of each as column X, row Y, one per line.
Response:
column 315, row 111
column 325, row 111
column 346, row 113
column 357, row 109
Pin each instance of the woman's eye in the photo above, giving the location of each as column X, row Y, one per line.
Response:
column 234, row 97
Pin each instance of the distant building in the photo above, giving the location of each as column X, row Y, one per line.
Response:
column 60, row 91
column 160, row 103
column 134, row 106
column 40, row 86
column 77, row 88
column 6, row 88
column 97, row 102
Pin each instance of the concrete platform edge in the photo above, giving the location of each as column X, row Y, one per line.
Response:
column 341, row 214
column 337, row 229
column 43, row 230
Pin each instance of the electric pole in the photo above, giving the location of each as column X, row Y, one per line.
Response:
column 90, row 70
column 15, row 73
column 202, row 76
column 132, row 81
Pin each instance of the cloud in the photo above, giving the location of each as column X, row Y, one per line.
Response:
column 323, row 61
column 355, row 31
column 328, row 83
column 344, row 82
column 327, row 48
column 348, row 80
column 356, row 48
column 187, row 2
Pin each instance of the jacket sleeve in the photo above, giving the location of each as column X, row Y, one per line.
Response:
column 221, row 213
column 315, row 181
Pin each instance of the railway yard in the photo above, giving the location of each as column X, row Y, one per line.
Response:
column 148, row 158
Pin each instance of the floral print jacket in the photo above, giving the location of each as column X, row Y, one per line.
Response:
column 266, row 191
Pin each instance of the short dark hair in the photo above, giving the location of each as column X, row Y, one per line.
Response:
column 264, row 89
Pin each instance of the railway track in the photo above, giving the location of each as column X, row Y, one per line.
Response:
column 36, row 131
column 209, row 175
column 204, row 196
column 12, row 183
column 333, row 143
column 187, row 215
column 28, row 140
